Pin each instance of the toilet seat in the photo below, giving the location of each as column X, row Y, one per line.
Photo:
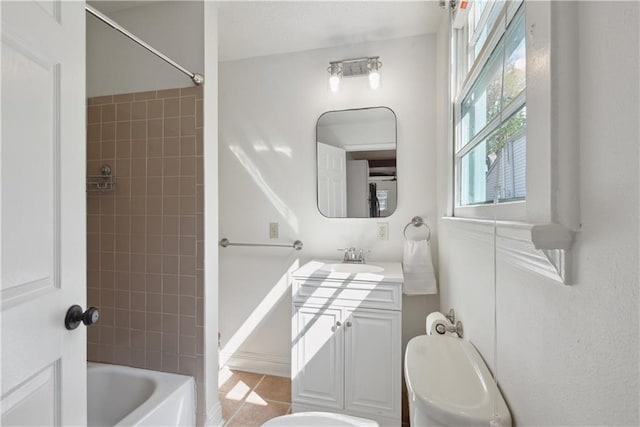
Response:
column 319, row 419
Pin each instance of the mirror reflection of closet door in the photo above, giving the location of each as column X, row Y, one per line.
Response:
column 332, row 181
column 357, row 189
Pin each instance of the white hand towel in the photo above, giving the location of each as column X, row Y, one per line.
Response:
column 419, row 278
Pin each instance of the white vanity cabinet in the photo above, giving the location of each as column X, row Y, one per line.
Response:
column 346, row 342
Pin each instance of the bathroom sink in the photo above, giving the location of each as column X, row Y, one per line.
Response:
column 352, row 268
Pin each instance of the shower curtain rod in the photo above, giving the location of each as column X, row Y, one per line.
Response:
column 198, row 79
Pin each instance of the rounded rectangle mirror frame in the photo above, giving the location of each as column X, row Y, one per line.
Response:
column 335, row 152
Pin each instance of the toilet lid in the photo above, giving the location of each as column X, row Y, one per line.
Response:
column 325, row 419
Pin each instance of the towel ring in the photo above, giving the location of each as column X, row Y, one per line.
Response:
column 416, row 221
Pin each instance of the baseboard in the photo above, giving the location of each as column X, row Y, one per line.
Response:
column 214, row 416
column 279, row 366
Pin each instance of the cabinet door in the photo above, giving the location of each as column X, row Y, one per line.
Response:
column 372, row 362
column 317, row 367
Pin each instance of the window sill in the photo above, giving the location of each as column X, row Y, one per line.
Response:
column 508, row 211
column 543, row 249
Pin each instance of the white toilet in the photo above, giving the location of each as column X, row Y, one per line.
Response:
column 449, row 384
column 324, row 419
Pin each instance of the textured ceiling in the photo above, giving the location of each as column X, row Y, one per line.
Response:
column 248, row 29
column 257, row 28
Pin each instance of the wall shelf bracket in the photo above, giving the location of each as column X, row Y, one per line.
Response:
column 555, row 242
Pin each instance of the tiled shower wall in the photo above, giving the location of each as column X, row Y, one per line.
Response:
column 145, row 237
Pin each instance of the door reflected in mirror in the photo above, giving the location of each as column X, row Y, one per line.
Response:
column 356, row 156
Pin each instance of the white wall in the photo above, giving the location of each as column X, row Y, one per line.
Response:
column 116, row 65
column 568, row 355
column 211, row 271
column 268, row 111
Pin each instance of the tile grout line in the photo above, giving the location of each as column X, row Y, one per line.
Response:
column 243, row 401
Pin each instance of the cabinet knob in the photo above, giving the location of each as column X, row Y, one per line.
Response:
column 348, row 324
column 338, row 323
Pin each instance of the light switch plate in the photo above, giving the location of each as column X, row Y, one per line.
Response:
column 274, row 230
column 383, row 231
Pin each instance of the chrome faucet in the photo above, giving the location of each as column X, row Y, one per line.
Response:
column 353, row 256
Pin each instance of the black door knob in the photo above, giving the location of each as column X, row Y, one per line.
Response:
column 75, row 316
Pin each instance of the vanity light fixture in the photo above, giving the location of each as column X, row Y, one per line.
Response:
column 369, row 66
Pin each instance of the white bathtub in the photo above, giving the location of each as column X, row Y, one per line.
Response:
column 123, row 396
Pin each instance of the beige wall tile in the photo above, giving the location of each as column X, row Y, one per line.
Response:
column 171, row 127
column 123, row 111
column 143, row 237
column 154, row 341
column 169, row 93
column 170, row 344
column 171, row 147
column 188, row 106
column 154, row 360
column 154, row 109
column 138, row 358
column 189, row 91
column 154, row 128
column 170, row 304
column 172, row 107
column 122, row 167
column 171, row 225
column 124, row 97
column 139, row 110
column 123, row 318
column 100, row 100
column 188, row 126
column 138, row 96
column 170, row 324
column 108, row 150
column 169, row 362
column 123, row 131
column 154, row 303
column 170, row 284
column 108, row 113
column 107, row 131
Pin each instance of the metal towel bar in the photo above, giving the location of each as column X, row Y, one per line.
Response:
column 416, row 221
column 297, row 245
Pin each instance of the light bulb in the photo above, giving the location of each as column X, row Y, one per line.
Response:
column 334, row 83
column 374, row 79
column 374, row 72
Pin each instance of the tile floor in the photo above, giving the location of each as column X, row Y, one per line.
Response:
column 249, row 399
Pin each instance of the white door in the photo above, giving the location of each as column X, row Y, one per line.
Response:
column 332, row 181
column 372, row 362
column 316, row 357
column 42, row 212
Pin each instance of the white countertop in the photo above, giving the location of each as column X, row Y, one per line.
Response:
column 392, row 272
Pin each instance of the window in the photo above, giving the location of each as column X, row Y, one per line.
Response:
column 490, row 108
column 520, row 149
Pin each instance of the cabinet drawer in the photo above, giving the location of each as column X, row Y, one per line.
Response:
column 387, row 296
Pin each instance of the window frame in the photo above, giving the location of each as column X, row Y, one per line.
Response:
column 465, row 76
